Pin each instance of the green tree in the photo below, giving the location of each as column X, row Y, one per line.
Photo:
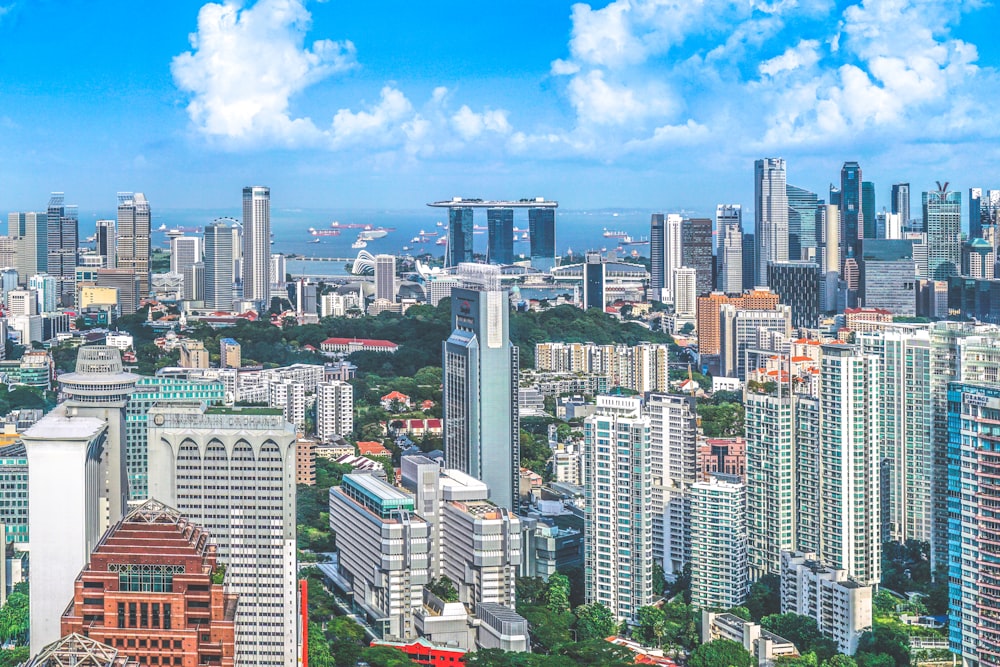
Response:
column 721, row 653
column 529, row 590
column 596, row 653
column 594, row 621
column 14, row 618
column 444, row 588
column 883, row 640
column 840, row 660
column 741, row 612
column 801, row 631
column 557, row 593
column 651, row 624
column 15, row 656
column 807, row 660
column 385, row 656
column 659, row 580
column 765, row 597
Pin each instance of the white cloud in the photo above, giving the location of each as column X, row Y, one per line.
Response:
column 598, row 102
column 803, row 54
column 471, row 125
column 376, row 124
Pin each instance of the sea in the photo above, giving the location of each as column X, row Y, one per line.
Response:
column 577, row 232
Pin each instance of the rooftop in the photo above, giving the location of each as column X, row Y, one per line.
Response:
column 461, row 202
column 58, row 425
column 78, row 651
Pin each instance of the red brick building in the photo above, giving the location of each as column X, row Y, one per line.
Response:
column 153, row 590
column 725, row 455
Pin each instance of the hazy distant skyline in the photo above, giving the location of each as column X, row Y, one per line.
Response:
column 647, row 104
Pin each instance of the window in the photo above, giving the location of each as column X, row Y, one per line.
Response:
column 133, row 578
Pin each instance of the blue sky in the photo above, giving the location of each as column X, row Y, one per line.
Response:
column 636, row 103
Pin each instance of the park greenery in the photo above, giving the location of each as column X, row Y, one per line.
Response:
column 15, row 618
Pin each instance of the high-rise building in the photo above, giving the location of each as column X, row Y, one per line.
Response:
column 289, row 396
column 32, row 246
column 385, row 277
column 156, row 576
column 500, row 235
column 672, row 252
column 194, row 282
column 850, row 394
column 868, row 209
column 219, row 273
column 685, row 293
column 185, row 251
column 542, row 230
column 68, row 509
column 770, row 215
column 22, row 302
column 46, row 288
column 984, row 212
column 63, row 246
column 831, row 258
column 803, row 236
column 709, row 306
column 334, row 410
column 888, row 225
column 943, row 224
column 851, row 216
column 460, row 235
column 193, row 354
column 900, row 203
column 233, row 473
column 729, row 256
column 741, row 329
column 594, row 276
column 719, row 543
column 482, row 430
column 106, row 237
column 129, row 286
column 256, row 243
column 674, row 468
column 696, row 252
column 618, row 539
column 657, row 276
column 888, row 276
column 133, row 237
column 749, row 261
column 230, row 353
column 797, row 284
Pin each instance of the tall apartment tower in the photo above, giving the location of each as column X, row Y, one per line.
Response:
column 719, row 543
column 500, row 235
column 219, row 265
column 542, row 230
column 674, row 468
column 657, row 277
column 850, row 442
column 900, row 202
column 233, row 473
column 334, row 410
column 851, row 217
column 106, row 235
column 134, row 220
column 686, row 281
column 482, row 430
column 385, row 277
column 696, row 252
column 672, row 252
column 63, row 244
column 618, row 539
column 460, row 235
column 256, row 243
column 729, row 256
column 185, row 252
column 771, row 215
column 943, row 223
column 67, row 510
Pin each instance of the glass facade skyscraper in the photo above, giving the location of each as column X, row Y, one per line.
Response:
column 771, row 215
column 943, row 224
column 868, row 208
column 460, row 230
column 802, row 233
column 901, row 201
column 850, row 209
column 696, row 253
column 657, row 276
column 542, row 230
column 500, row 232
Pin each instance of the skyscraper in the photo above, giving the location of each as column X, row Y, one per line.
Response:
column 798, row 285
column 385, row 277
column 718, row 543
column 685, row 293
column 219, row 265
column 851, row 216
column 729, row 255
column 831, row 257
column 500, row 234
column 749, row 259
column 106, row 236
column 32, row 233
column 482, row 430
column 460, row 231
column 657, row 277
column 257, row 244
column 888, row 276
column 672, row 252
column 802, row 233
column 618, row 536
column 984, row 210
column 133, row 237
column 771, row 215
column 233, row 473
column 63, row 242
column 674, row 468
column 542, row 230
column 185, row 252
column 901, row 202
column 593, row 281
column 334, row 410
column 943, row 223
column 868, row 209
column 696, row 252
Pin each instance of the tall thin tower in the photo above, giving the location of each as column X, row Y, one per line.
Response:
column 63, row 241
column 256, row 243
column 133, row 237
column 771, row 215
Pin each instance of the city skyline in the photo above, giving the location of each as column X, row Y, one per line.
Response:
column 582, row 107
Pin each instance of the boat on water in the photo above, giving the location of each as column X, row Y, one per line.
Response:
column 315, row 241
column 324, row 232
column 628, row 240
column 416, row 239
column 440, row 224
column 614, row 234
column 442, row 241
column 372, row 234
column 405, row 248
column 359, row 244
column 479, row 228
column 524, row 236
column 423, row 233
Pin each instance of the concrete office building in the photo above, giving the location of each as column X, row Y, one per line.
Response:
column 740, row 330
column 230, row 354
column 718, row 543
column 888, row 276
column 193, row 354
column 185, row 251
column 63, row 247
column 22, row 302
column 798, row 285
column 106, row 237
column 831, row 258
column 132, row 247
column 220, row 239
column 32, row 245
column 770, row 215
column 710, row 306
column 482, row 430
column 672, row 252
column 686, row 281
column 385, row 277
column 850, row 443
column 943, row 225
column 899, row 202
column 256, row 243
column 233, row 472
column 127, row 282
column 618, row 539
column 68, row 509
column 729, row 256
column 334, row 410
column 842, row 608
column 674, row 469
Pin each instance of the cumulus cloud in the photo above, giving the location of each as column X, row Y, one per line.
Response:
column 803, row 54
